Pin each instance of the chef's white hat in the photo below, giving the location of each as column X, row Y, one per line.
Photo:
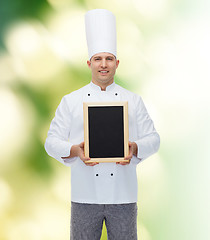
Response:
column 100, row 25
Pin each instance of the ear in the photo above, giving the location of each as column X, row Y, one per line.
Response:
column 117, row 63
column 89, row 63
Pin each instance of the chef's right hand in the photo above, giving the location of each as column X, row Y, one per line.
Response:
column 78, row 150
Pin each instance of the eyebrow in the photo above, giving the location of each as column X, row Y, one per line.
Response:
column 105, row 57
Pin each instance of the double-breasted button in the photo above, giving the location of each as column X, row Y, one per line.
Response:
column 116, row 94
column 88, row 94
column 96, row 174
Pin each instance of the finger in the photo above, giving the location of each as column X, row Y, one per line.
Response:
column 85, row 160
column 91, row 164
column 123, row 162
column 128, row 157
column 83, row 157
column 81, row 145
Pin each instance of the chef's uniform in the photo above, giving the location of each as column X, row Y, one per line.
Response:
column 105, row 183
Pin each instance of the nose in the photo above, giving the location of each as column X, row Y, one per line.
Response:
column 103, row 63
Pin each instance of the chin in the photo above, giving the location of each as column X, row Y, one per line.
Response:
column 105, row 81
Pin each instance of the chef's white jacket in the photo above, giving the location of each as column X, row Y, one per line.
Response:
column 105, row 183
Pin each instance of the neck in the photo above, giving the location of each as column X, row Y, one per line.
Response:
column 103, row 86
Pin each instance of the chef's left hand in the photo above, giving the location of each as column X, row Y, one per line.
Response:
column 132, row 151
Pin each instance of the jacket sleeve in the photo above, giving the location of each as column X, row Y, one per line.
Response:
column 148, row 140
column 57, row 144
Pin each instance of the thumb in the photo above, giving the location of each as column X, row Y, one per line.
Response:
column 82, row 144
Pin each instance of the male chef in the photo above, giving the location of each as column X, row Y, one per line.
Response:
column 101, row 191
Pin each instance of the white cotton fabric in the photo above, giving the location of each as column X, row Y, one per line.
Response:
column 66, row 130
column 100, row 26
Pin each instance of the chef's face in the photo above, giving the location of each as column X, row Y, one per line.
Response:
column 103, row 67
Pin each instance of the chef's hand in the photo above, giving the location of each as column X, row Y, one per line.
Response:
column 78, row 151
column 132, row 151
column 81, row 155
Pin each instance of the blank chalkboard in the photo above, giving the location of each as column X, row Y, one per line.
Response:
column 106, row 131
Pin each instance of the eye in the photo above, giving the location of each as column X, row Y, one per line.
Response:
column 109, row 58
column 97, row 59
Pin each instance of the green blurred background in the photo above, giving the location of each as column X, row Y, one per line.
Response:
column 163, row 47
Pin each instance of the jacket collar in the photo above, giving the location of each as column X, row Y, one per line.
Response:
column 97, row 88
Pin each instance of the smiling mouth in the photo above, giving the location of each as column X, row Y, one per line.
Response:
column 103, row 71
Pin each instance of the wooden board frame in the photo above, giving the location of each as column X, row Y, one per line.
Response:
column 86, row 106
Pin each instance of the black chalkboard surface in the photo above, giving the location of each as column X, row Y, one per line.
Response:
column 106, row 131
